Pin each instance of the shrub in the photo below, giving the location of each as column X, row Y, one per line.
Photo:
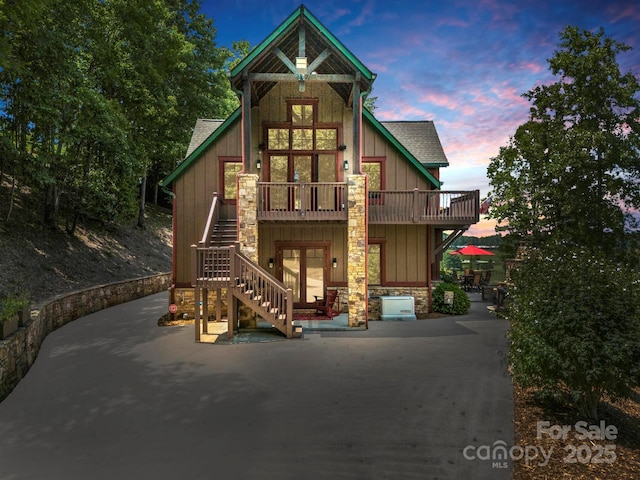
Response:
column 461, row 302
column 575, row 326
column 11, row 305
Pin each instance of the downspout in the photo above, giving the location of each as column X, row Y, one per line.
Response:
column 240, row 94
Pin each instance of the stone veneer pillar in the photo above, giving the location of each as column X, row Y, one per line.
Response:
column 357, row 250
column 248, row 215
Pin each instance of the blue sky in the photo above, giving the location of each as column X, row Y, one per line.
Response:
column 462, row 63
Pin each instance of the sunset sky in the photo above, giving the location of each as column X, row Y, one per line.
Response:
column 463, row 63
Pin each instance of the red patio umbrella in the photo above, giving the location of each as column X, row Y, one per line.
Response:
column 472, row 251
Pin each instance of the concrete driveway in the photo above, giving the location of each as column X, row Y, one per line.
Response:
column 114, row 396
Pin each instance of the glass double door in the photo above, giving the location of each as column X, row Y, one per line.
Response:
column 304, row 269
column 302, row 169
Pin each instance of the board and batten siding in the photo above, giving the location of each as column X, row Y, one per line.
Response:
column 334, row 234
column 399, row 174
column 194, row 192
column 273, row 106
column 406, row 257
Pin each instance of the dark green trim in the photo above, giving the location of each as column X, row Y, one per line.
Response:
column 180, row 169
column 284, row 26
column 398, row 146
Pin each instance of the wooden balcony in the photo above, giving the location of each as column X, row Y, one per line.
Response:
column 328, row 202
column 302, row 201
column 433, row 207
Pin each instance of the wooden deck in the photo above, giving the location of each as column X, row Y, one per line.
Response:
column 292, row 202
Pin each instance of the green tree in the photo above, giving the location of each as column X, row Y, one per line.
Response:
column 100, row 94
column 575, row 326
column 566, row 186
column 572, row 169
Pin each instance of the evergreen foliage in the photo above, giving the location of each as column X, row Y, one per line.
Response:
column 99, row 95
column 566, row 188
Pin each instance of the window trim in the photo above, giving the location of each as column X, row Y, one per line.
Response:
column 221, row 184
column 383, row 273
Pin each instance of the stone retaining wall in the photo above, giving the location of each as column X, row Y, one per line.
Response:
column 19, row 351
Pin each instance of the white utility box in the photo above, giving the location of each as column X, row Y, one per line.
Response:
column 397, row 308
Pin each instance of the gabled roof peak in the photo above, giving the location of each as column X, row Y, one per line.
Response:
column 301, row 36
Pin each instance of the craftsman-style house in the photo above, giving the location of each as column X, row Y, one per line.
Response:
column 302, row 190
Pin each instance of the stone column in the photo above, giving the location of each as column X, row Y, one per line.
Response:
column 357, row 250
column 248, row 215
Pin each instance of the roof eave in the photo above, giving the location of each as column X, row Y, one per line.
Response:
column 401, row 148
column 180, row 169
column 302, row 11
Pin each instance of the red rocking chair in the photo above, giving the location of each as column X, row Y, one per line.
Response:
column 329, row 305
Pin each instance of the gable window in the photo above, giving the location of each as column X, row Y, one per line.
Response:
column 229, row 169
column 374, row 168
column 302, row 149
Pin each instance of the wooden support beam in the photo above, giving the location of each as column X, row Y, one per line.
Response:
column 284, row 59
column 288, row 77
column 318, row 61
column 301, row 41
column 246, row 124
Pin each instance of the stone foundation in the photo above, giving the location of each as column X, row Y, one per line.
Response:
column 19, row 351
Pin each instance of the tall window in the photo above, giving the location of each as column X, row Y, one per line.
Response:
column 374, row 261
column 302, row 148
column 229, row 169
column 374, row 168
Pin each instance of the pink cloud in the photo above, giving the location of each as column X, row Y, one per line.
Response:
column 629, row 11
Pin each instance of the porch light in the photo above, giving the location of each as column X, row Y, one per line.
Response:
column 346, row 164
column 271, row 263
column 258, row 164
column 260, row 148
column 334, row 262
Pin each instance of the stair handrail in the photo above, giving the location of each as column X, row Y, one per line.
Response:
column 271, row 290
column 212, row 220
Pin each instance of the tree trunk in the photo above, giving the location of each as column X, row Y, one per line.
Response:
column 51, row 203
column 143, row 190
column 11, row 197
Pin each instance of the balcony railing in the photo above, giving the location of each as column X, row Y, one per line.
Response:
column 328, row 202
column 434, row 207
column 302, row 201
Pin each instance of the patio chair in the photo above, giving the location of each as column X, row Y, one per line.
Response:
column 487, row 278
column 329, row 305
column 477, row 280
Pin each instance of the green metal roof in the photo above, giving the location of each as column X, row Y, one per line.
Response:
column 302, row 12
column 401, row 148
column 180, row 169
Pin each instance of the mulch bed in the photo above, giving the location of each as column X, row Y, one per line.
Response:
column 574, row 457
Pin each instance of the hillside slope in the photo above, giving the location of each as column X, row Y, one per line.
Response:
column 43, row 263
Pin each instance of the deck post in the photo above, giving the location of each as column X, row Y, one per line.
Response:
column 218, row 304
column 289, row 312
column 205, row 310
column 196, row 301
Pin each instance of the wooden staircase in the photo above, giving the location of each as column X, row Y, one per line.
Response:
column 217, row 263
column 246, row 282
column 225, row 233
